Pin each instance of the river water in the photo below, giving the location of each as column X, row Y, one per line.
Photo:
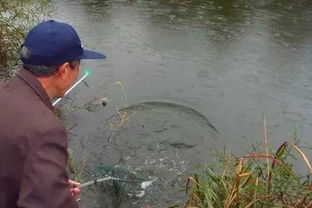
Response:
column 189, row 76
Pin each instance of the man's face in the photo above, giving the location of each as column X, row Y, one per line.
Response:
column 67, row 75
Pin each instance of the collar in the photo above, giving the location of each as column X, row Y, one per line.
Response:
column 32, row 81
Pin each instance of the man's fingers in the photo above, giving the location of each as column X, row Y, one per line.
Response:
column 74, row 188
column 75, row 192
column 73, row 183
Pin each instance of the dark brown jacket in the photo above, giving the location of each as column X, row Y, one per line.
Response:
column 33, row 148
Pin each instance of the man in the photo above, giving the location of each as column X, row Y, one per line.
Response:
column 33, row 142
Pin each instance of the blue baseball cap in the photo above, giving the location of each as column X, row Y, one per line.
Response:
column 51, row 43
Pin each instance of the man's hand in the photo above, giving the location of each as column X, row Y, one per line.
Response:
column 74, row 188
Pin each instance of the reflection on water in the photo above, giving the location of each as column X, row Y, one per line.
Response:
column 231, row 60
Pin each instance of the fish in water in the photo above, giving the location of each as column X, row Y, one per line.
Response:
column 191, row 113
column 182, row 145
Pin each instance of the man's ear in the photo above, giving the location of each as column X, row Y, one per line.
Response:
column 63, row 71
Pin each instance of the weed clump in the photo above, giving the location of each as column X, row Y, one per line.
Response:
column 16, row 18
column 253, row 180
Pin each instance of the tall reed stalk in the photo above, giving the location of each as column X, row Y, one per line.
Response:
column 253, row 180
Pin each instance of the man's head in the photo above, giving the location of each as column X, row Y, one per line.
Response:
column 56, row 79
column 52, row 52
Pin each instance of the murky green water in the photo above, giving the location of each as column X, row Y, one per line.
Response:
column 224, row 63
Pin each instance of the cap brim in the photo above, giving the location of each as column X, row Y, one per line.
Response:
column 87, row 54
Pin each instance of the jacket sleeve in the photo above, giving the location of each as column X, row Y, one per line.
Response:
column 44, row 181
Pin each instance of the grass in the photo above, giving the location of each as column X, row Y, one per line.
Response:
column 75, row 168
column 244, row 182
column 16, row 18
column 253, row 180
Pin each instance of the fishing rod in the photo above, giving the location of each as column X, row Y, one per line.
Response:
column 86, row 73
column 137, row 192
column 101, row 180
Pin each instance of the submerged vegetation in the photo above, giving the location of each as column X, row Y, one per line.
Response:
column 16, row 18
column 254, row 180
